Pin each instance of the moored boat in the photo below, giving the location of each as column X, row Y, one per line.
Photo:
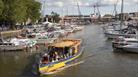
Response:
column 60, row 55
column 15, row 44
column 44, row 37
column 128, row 32
column 131, row 48
column 125, row 44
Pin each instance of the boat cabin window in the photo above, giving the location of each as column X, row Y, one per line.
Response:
column 60, row 53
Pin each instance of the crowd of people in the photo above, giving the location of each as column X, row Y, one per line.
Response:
column 57, row 54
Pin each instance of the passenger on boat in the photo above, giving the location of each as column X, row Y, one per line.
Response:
column 51, row 56
column 45, row 59
column 59, row 54
column 71, row 52
column 54, row 57
column 62, row 54
column 56, row 54
column 66, row 52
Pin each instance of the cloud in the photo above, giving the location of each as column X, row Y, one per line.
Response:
column 64, row 3
column 110, row 1
column 60, row 4
column 54, row 4
column 136, row 1
column 126, row 2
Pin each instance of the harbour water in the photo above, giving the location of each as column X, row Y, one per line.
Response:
column 103, row 63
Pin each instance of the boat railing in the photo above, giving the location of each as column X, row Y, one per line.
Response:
column 130, row 35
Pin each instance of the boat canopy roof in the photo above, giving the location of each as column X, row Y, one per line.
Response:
column 66, row 43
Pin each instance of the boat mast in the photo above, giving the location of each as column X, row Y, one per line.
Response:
column 79, row 12
column 137, row 24
column 137, row 31
column 115, row 10
column 137, row 6
column 43, row 8
column 122, row 10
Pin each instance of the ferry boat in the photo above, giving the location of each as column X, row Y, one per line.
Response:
column 60, row 55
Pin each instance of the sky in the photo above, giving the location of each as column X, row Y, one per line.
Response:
column 69, row 7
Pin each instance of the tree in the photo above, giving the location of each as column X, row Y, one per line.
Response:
column 33, row 9
column 55, row 17
column 6, row 14
column 18, row 11
column 1, row 7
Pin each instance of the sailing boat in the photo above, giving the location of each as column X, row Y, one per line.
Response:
column 118, row 30
column 126, row 44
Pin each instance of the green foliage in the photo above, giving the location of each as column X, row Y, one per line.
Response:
column 1, row 7
column 18, row 11
column 53, row 17
column 33, row 9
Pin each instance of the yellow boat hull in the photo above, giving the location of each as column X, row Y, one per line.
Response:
column 45, row 69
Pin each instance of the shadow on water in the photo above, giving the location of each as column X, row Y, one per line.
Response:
column 19, row 64
column 31, row 69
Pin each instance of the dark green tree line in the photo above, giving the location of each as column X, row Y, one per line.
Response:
column 1, row 7
column 18, row 11
column 53, row 17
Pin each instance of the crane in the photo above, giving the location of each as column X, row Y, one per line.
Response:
column 96, row 11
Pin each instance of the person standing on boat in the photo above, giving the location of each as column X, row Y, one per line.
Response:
column 51, row 56
column 57, row 56
column 70, row 52
column 61, row 53
column 45, row 58
column 66, row 52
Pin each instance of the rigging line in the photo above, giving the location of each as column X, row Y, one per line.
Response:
column 78, row 6
column 122, row 10
column 115, row 6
